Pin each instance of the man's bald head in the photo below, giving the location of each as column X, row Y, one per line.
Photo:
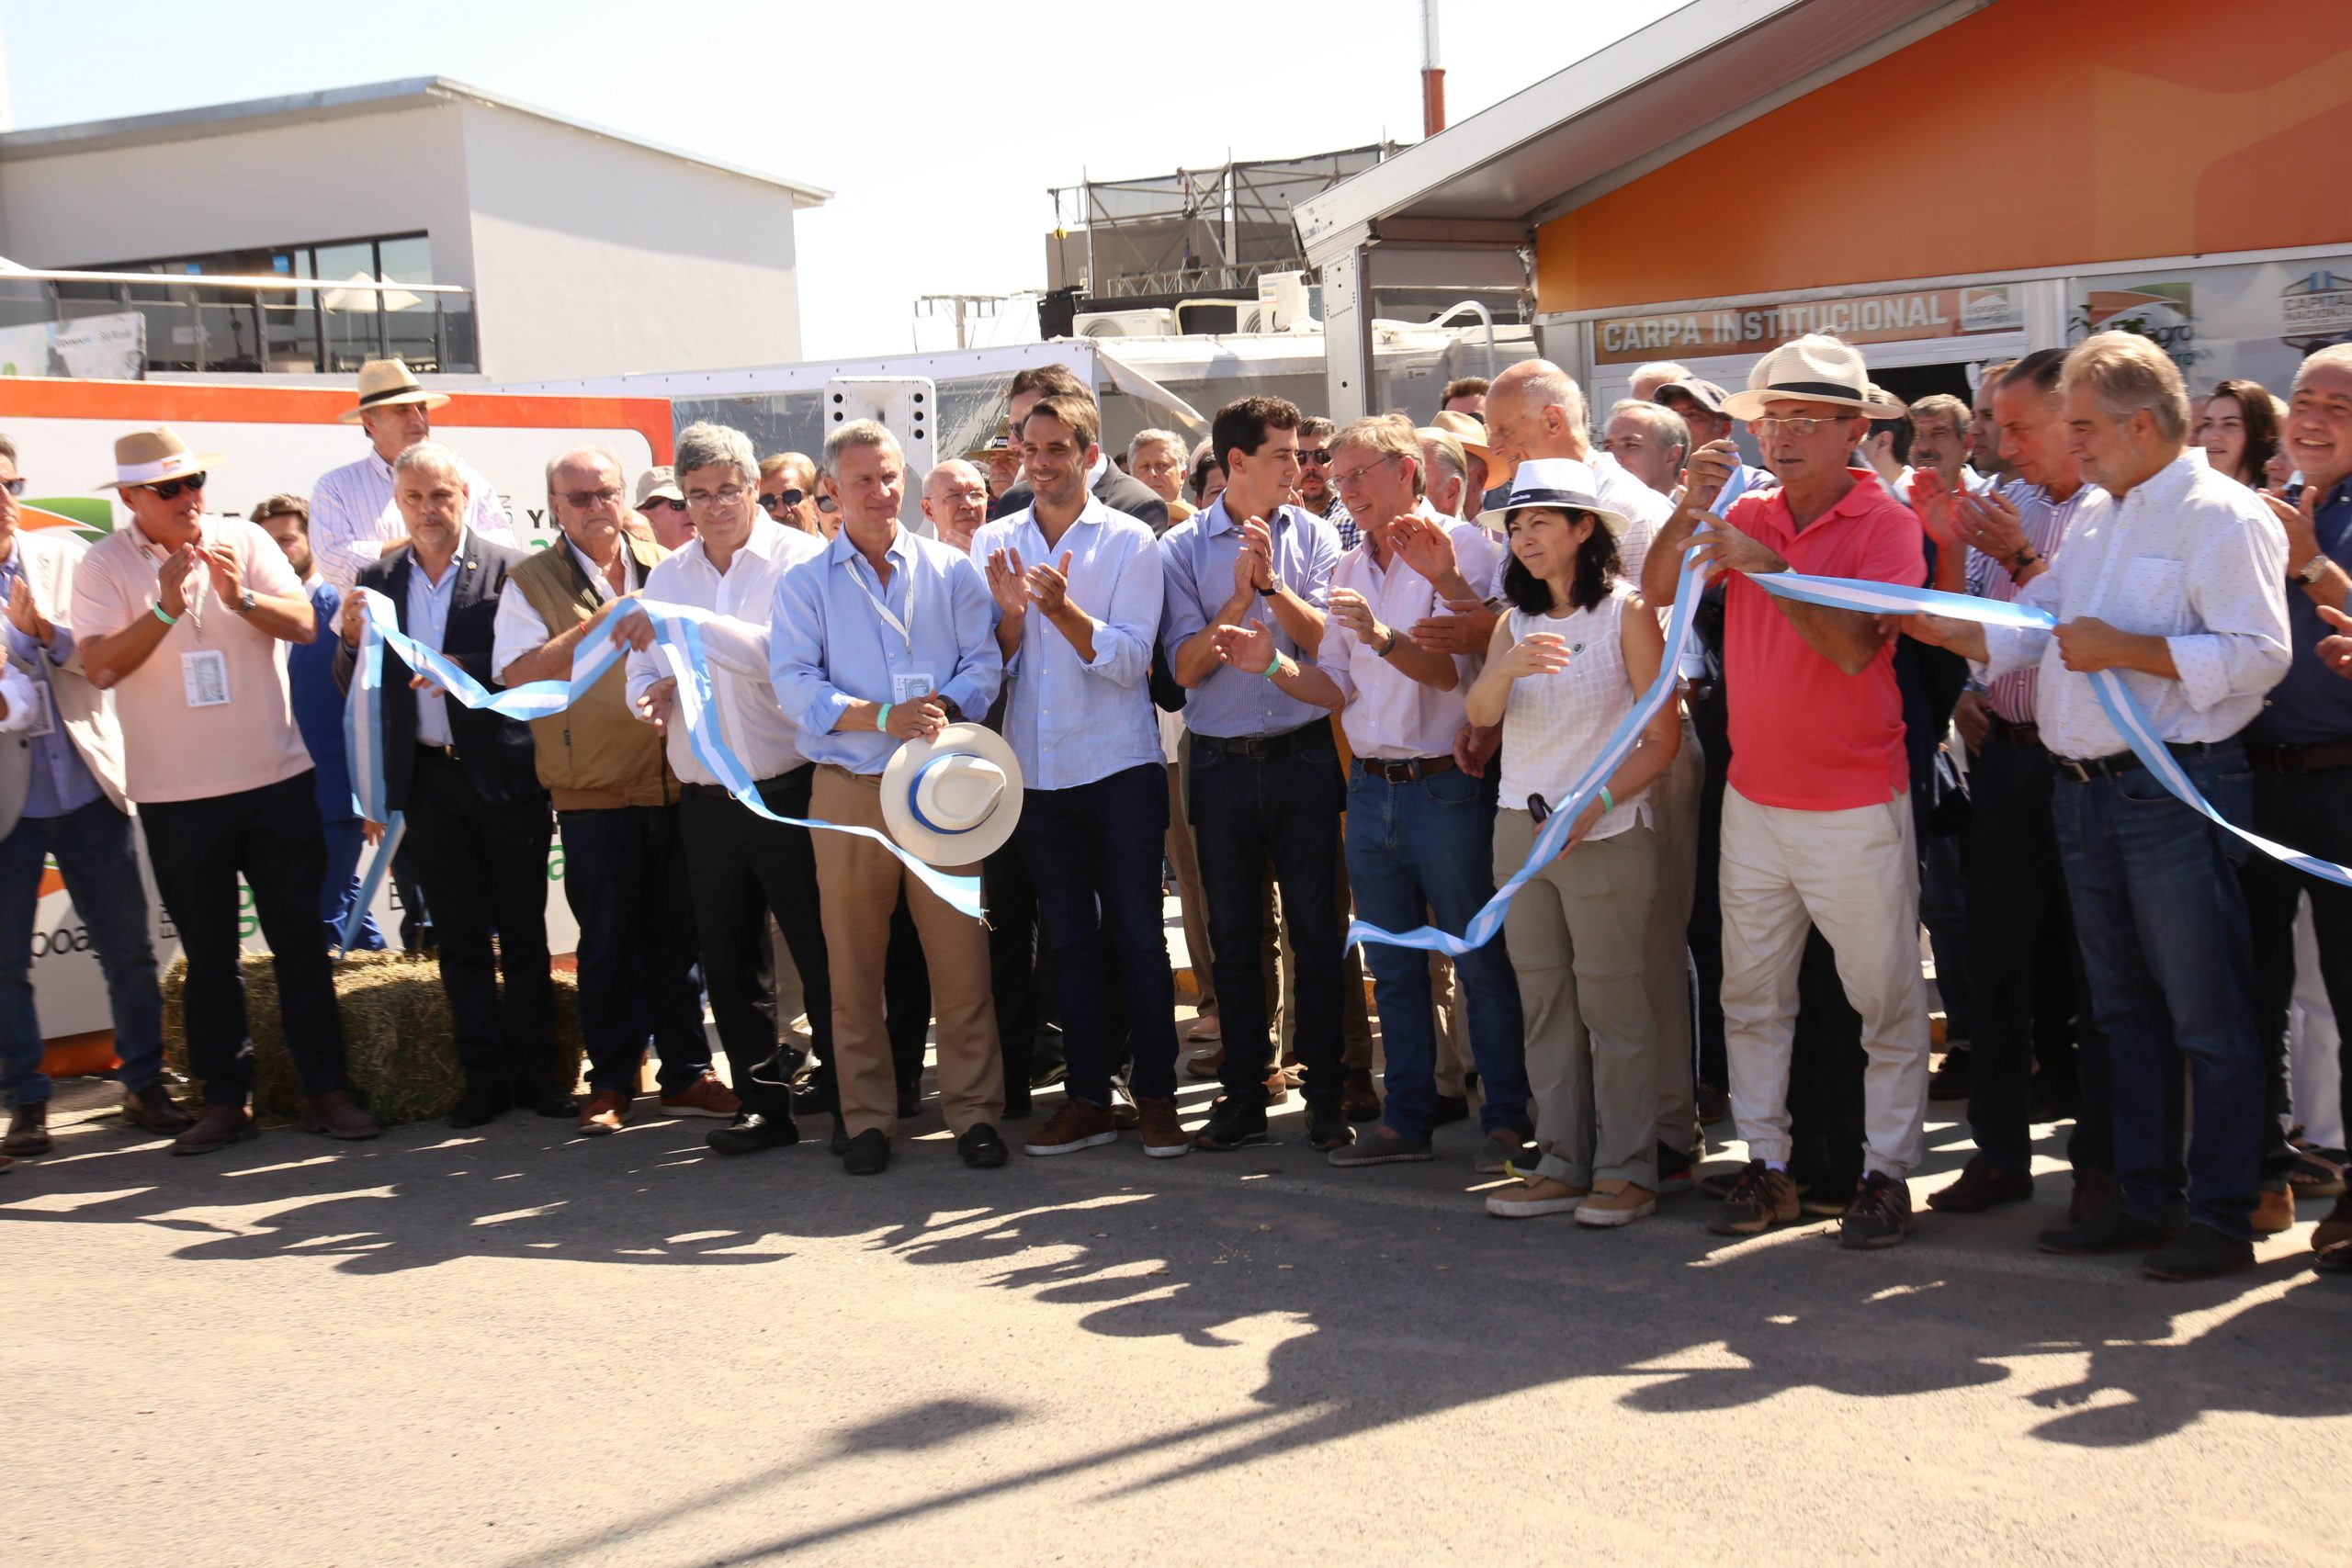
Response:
column 955, row 501
column 1536, row 410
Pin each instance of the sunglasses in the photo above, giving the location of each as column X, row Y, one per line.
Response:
column 772, row 500
column 1317, row 456
column 14, row 487
column 169, row 488
column 659, row 501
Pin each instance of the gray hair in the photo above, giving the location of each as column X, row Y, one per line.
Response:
column 856, row 432
column 1666, row 427
column 1144, row 438
column 2335, row 356
column 2126, row 373
column 602, row 454
column 432, row 455
column 1444, row 450
column 703, row 445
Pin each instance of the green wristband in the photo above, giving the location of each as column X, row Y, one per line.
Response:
column 1608, row 801
column 882, row 719
column 1276, row 668
column 167, row 620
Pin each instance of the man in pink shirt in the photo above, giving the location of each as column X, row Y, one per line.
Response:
column 1818, row 826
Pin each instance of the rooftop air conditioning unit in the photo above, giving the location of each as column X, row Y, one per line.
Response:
column 1127, row 324
column 1285, row 300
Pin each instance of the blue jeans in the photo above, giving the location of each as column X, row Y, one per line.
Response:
column 2170, row 966
column 93, row 851
column 1422, row 853
column 345, row 841
column 1093, row 853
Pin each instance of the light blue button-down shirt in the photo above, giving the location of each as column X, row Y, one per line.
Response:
column 830, row 646
column 59, row 782
column 1071, row 721
column 1196, row 557
column 428, row 622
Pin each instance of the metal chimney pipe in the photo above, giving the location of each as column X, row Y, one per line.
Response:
column 1432, row 73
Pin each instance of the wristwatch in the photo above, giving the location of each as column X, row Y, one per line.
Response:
column 245, row 600
column 1269, row 592
column 2312, row 570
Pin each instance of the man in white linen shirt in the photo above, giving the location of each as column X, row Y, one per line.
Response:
column 1420, row 843
column 2174, row 578
column 740, row 867
column 351, row 514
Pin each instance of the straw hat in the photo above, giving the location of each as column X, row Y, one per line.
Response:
column 1814, row 368
column 953, row 799
column 154, row 456
column 1559, row 482
column 383, row 382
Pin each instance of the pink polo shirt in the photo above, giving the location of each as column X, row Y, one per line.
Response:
column 1805, row 735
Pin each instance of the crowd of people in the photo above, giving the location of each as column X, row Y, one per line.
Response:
column 1301, row 673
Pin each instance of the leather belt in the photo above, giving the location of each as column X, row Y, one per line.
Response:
column 2083, row 770
column 442, row 753
column 1260, row 748
column 2021, row 736
column 2320, row 757
column 1406, row 770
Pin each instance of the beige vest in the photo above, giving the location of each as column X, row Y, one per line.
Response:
column 596, row 755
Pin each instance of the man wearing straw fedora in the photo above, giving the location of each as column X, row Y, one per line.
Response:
column 180, row 615
column 881, row 650
column 1818, row 827
column 351, row 514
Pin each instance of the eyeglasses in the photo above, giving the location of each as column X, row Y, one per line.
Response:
column 163, row 492
column 1353, row 475
column 1800, row 428
column 725, row 495
column 14, row 487
column 583, row 499
column 1314, row 455
column 661, row 502
column 774, row 498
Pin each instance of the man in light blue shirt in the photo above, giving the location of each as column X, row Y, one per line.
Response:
column 1079, row 587
column 1265, row 769
column 885, row 637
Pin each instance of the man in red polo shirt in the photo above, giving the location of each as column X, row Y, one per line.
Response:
column 1817, row 820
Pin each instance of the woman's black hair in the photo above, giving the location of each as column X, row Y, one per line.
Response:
column 1597, row 562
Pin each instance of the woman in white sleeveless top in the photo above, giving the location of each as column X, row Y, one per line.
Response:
column 1563, row 673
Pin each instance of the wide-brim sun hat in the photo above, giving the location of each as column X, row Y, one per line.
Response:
column 1561, row 483
column 155, row 456
column 385, row 382
column 954, row 799
column 661, row 481
column 1815, row 368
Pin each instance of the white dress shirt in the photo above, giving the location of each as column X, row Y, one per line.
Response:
column 1388, row 714
column 2187, row 555
column 732, row 609
column 519, row 629
column 352, row 517
column 428, row 623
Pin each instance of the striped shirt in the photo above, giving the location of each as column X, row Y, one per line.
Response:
column 352, row 517
column 2012, row 696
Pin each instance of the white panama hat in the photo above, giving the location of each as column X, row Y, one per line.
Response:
column 954, row 799
column 1815, row 368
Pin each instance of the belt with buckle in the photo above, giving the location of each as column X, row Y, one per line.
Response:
column 443, row 752
column 2322, row 757
column 1406, row 770
column 2083, row 770
column 1260, row 748
column 2021, row 736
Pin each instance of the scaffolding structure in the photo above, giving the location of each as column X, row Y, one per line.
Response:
column 1194, row 232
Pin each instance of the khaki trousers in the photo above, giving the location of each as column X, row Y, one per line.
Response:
column 858, row 883
column 1855, row 876
column 1185, row 857
column 1674, row 821
column 1578, row 938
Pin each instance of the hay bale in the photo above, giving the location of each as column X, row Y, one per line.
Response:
column 400, row 1049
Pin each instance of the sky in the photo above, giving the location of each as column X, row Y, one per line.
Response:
column 933, row 124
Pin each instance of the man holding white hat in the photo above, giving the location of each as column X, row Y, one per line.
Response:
column 181, row 615
column 1818, row 826
column 880, row 649
column 352, row 514
column 1079, row 586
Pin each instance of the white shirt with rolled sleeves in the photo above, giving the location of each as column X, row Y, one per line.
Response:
column 352, row 517
column 2189, row 555
column 518, row 628
column 1388, row 714
column 1069, row 720
column 731, row 609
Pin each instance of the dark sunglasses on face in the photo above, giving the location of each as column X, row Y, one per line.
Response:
column 14, row 487
column 169, row 488
column 1317, row 454
column 774, row 498
column 659, row 501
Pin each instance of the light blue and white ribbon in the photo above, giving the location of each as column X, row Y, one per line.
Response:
column 680, row 639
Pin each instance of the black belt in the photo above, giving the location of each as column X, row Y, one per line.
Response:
column 1262, row 747
column 439, row 753
column 2083, row 770
column 1406, row 770
column 721, row 791
column 2320, row 757
column 2021, row 736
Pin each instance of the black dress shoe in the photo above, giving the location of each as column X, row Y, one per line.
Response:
column 750, row 1132
column 839, row 1144
column 909, row 1100
column 813, row 1099
column 1330, row 1127
column 982, row 1148
column 1231, row 1125
column 481, row 1104
column 541, row 1098
column 2200, row 1253
column 868, row 1154
column 2112, row 1229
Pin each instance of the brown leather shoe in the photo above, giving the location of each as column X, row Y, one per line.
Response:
column 2274, row 1211
column 1359, row 1102
column 337, row 1115
column 606, row 1113
column 27, row 1131
column 704, row 1097
column 2094, row 1190
column 1277, row 1087
column 2336, row 1229
column 1163, row 1135
column 1204, row 1064
column 152, row 1110
column 1982, row 1185
column 219, row 1126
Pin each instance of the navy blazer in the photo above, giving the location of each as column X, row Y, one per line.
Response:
column 496, row 754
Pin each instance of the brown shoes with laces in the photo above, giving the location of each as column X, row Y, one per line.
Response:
column 151, row 1109
column 27, row 1131
column 1982, row 1185
column 215, row 1129
column 606, row 1113
column 335, row 1114
column 707, row 1096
